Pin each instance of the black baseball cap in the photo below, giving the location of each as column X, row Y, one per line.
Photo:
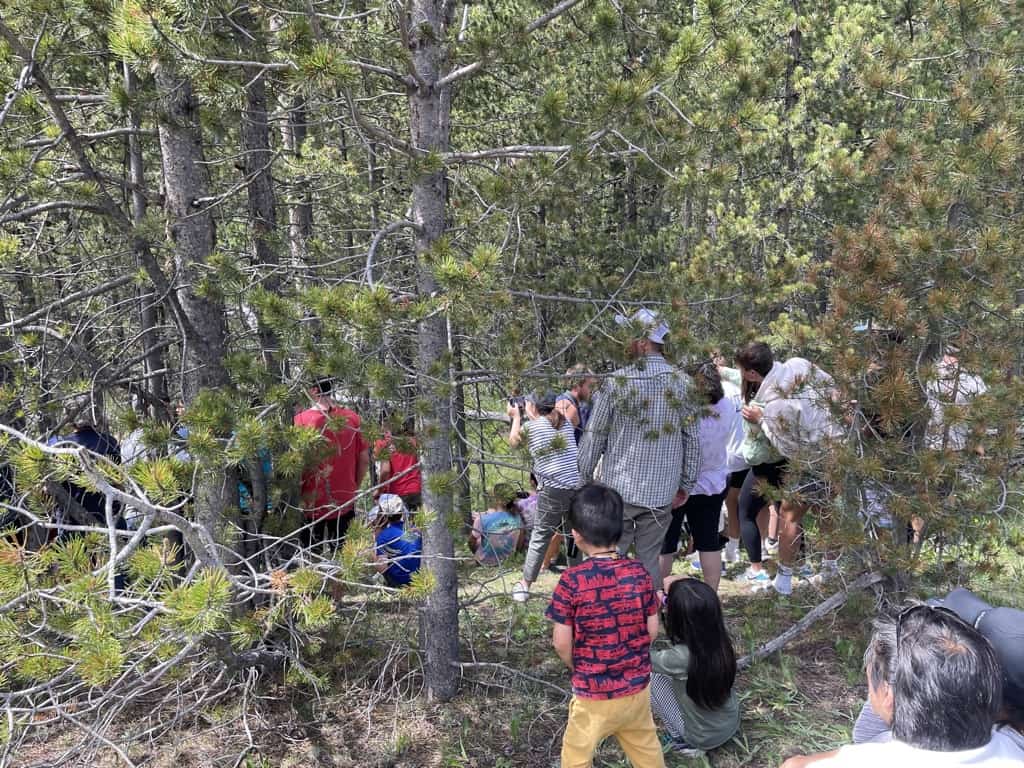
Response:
column 546, row 403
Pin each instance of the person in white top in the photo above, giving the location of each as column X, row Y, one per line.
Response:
column 793, row 410
column 952, row 386
column 937, row 682
column 702, row 509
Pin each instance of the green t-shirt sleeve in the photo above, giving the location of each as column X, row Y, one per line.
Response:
column 672, row 661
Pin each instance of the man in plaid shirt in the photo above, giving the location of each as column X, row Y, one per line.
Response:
column 644, row 425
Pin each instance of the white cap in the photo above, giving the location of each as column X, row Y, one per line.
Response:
column 388, row 505
column 653, row 325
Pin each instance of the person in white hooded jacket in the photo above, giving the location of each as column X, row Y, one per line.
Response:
column 794, row 409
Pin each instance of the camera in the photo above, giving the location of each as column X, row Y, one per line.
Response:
column 519, row 401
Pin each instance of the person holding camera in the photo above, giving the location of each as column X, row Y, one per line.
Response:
column 552, row 447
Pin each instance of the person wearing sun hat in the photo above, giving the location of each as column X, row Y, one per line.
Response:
column 397, row 548
column 643, row 431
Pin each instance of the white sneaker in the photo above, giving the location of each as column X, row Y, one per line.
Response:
column 520, row 592
column 756, row 580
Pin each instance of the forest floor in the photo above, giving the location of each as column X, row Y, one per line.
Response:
column 512, row 706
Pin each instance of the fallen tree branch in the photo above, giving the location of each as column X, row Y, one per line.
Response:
column 836, row 601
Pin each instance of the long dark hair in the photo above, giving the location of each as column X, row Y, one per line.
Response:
column 694, row 619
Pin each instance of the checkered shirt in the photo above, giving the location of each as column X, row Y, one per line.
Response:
column 644, row 425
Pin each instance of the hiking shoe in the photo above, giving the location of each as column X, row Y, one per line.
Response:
column 754, row 578
column 520, row 592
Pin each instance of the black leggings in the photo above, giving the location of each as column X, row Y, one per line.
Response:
column 752, row 502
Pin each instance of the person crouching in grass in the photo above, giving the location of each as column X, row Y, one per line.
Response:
column 605, row 615
column 397, row 547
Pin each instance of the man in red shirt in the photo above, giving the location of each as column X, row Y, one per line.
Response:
column 329, row 489
column 398, row 459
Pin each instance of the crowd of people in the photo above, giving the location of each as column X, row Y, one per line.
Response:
column 622, row 466
column 682, row 448
column 673, row 450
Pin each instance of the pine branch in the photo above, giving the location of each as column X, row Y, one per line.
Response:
column 378, row 238
column 554, row 13
column 89, row 138
column 107, row 203
column 53, row 205
column 458, row 74
column 515, row 150
column 86, row 293
column 278, row 66
column 533, row 26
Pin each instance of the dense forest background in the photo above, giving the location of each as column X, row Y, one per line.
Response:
column 438, row 203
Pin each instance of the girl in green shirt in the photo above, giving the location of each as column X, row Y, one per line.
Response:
column 692, row 679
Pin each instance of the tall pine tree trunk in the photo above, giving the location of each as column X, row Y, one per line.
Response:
column 190, row 229
column 300, row 210
column 153, row 364
column 430, row 112
column 255, row 132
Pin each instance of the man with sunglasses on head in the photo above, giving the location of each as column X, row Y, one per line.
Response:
column 937, row 685
column 1004, row 630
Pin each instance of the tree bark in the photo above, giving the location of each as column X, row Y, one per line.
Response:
column 300, row 210
column 794, row 45
column 190, row 229
column 153, row 363
column 460, row 445
column 255, row 134
column 430, row 112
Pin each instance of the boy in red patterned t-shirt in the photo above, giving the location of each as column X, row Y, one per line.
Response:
column 606, row 615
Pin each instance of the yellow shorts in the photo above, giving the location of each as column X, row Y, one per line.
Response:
column 628, row 719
